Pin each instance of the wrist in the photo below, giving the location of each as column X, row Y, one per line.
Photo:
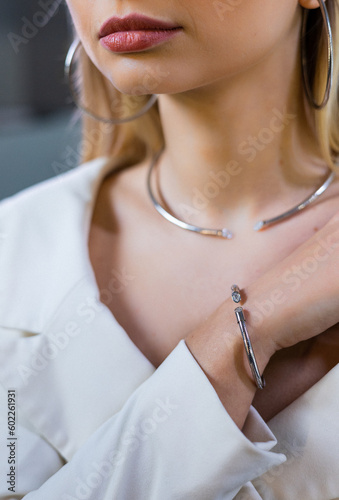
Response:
column 264, row 320
column 218, row 347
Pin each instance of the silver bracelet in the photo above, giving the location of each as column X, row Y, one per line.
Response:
column 239, row 313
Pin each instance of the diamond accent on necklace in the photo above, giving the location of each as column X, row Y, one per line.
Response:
column 226, row 233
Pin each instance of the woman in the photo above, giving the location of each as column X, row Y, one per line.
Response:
column 120, row 342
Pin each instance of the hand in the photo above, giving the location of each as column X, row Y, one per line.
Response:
column 299, row 298
column 296, row 300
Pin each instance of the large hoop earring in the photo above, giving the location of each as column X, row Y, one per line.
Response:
column 329, row 38
column 68, row 73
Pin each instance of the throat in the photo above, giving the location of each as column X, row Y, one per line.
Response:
column 185, row 221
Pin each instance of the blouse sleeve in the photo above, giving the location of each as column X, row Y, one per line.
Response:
column 27, row 460
column 172, row 439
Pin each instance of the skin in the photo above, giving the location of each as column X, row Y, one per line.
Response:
column 240, row 67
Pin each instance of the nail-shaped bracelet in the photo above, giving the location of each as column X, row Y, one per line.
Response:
column 239, row 313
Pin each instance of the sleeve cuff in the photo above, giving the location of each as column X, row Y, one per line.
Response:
column 172, row 439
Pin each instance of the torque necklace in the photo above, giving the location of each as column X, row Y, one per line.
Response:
column 224, row 232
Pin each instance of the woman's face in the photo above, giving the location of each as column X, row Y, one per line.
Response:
column 216, row 40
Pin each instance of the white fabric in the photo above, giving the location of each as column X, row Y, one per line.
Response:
column 95, row 420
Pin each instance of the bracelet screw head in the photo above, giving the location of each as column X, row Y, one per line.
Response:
column 236, row 296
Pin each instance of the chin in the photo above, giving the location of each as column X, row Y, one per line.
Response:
column 144, row 81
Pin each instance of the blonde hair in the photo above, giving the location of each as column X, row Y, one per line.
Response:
column 131, row 142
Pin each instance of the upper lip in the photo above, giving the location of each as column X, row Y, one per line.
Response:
column 133, row 22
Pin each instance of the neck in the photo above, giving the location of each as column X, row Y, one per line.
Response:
column 241, row 147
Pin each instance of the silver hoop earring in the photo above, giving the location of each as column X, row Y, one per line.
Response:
column 68, row 72
column 329, row 38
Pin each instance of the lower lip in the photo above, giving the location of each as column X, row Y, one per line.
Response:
column 136, row 41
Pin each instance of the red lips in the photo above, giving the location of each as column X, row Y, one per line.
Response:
column 133, row 22
column 135, row 33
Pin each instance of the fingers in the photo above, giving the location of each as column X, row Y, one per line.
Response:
column 299, row 298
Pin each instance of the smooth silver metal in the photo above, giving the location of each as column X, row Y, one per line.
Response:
column 312, row 198
column 68, row 72
column 329, row 38
column 226, row 233
column 222, row 233
column 259, row 380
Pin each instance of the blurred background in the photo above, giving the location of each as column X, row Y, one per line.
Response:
column 39, row 133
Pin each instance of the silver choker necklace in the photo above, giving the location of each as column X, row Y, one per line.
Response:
column 226, row 233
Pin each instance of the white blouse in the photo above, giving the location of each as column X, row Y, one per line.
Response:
column 94, row 419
